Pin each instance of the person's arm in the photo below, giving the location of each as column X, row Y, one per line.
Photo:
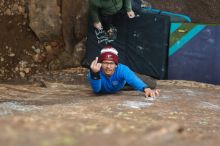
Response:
column 133, row 80
column 94, row 76
column 95, row 81
column 94, row 10
column 128, row 7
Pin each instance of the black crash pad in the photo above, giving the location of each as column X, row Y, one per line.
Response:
column 142, row 43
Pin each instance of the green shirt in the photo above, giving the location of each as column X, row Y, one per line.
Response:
column 107, row 7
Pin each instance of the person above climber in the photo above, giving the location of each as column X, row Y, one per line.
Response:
column 102, row 12
column 106, row 75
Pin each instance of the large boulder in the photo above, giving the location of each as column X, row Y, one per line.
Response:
column 64, row 23
column 45, row 19
column 67, row 59
column 74, row 16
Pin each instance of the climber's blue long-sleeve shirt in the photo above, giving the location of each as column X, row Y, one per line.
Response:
column 117, row 81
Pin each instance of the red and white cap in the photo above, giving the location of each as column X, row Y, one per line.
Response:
column 109, row 53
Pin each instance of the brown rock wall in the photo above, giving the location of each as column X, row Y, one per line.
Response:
column 45, row 19
column 201, row 11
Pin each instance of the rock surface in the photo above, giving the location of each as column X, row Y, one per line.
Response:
column 45, row 19
column 200, row 11
column 74, row 16
column 185, row 113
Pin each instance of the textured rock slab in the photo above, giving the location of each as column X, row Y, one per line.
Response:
column 45, row 19
column 74, row 17
column 185, row 113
